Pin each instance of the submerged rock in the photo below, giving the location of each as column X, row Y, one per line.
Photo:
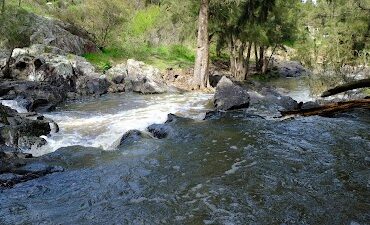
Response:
column 130, row 136
column 230, row 96
column 159, row 131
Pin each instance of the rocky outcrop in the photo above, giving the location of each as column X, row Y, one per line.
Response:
column 34, row 96
column 230, row 96
column 46, row 79
column 143, row 78
column 136, row 76
column 52, row 32
column 22, row 131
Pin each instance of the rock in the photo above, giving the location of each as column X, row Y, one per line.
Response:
column 289, row 69
column 159, row 131
column 214, row 79
column 26, row 142
column 287, row 103
column 17, row 168
column 117, row 73
column 34, row 95
column 52, row 32
column 143, row 78
column 21, row 132
column 116, row 88
column 91, row 86
column 37, row 49
column 39, row 168
column 130, row 137
column 230, row 96
column 118, row 79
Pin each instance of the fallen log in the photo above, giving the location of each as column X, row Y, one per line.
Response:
column 329, row 109
column 347, row 87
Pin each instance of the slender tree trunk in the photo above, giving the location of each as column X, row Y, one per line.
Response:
column 256, row 55
column 202, row 58
column 247, row 60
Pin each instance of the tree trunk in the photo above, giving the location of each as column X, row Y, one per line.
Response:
column 330, row 109
column 238, row 66
column 7, row 73
column 261, row 60
column 202, row 58
column 256, row 54
column 347, row 87
column 247, row 60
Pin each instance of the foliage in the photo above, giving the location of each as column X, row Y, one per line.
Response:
column 13, row 28
column 334, row 33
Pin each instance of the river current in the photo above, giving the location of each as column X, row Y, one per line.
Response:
column 238, row 168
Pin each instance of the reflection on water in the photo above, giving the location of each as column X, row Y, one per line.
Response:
column 297, row 88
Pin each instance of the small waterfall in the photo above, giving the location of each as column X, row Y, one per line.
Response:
column 14, row 104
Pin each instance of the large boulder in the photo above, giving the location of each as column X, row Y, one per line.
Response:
column 230, row 96
column 52, row 32
column 144, row 78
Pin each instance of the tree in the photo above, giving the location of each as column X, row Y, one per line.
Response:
column 13, row 34
column 202, row 52
column 99, row 18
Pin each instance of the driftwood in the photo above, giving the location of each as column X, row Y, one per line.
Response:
column 329, row 109
column 347, row 87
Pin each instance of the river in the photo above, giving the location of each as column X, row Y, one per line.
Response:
column 237, row 169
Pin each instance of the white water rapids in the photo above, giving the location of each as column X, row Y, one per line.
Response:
column 102, row 122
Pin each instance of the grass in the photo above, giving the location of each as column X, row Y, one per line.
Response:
column 163, row 57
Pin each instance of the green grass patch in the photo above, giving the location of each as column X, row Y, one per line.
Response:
column 163, row 57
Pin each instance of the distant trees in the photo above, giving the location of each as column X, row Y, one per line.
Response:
column 336, row 33
column 13, row 23
column 99, row 18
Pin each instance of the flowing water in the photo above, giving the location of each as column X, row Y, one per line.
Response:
column 237, row 169
column 101, row 122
